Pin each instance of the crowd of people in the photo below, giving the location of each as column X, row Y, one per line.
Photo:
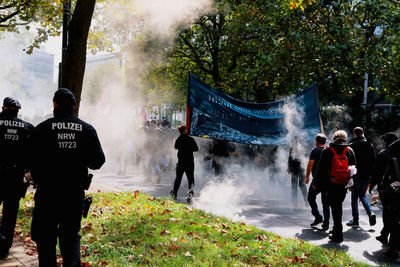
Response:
column 341, row 167
column 56, row 154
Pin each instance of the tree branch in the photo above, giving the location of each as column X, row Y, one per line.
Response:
column 9, row 16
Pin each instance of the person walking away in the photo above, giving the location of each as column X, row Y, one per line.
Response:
column 380, row 167
column 185, row 145
column 13, row 136
column 320, row 140
column 389, row 193
column 365, row 155
column 62, row 149
column 295, row 168
column 333, row 174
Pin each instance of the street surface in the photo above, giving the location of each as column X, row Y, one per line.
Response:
column 280, row 216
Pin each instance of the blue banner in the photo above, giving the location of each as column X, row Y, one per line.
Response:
column 216, row 115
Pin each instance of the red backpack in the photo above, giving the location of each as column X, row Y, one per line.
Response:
column 340, row 172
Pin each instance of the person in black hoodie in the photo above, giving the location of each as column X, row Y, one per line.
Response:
column 381, row 162
column 365, row 154
column 13, row 136
column 391, row 208
column 185, row 145
column 61, row 149
column 336, row 193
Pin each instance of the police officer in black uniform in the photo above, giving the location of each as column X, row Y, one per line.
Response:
column 13, row 136
column 61, row 150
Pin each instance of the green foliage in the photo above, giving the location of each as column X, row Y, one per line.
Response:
column 264, row 50
column 125, row 229
column 44, row 15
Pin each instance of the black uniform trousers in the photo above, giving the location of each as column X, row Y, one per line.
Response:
column 10, row 201
column 181, row 168
column 336, row 195
column 57, row 216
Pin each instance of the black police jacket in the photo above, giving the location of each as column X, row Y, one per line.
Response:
column 61, row 151
column 13, row 140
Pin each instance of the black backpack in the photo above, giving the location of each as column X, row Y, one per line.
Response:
column 390, row 193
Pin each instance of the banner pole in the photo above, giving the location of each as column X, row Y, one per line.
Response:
column 319, row 111
column 187, row 106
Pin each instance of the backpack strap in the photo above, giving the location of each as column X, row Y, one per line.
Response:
column 334, row 151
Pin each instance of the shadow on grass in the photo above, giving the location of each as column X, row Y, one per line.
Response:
column 312, row 234
column 335, row 246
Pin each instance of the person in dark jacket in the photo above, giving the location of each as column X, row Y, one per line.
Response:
column 13, row 136
column 323, row 181
column 391, row 209
column 61, row 151
column 380, row 167
column 365, row 154
column 315, row 155
column 219, row 153
column 296, row 169
column 185, row 145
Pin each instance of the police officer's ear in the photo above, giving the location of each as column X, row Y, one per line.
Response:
column 55, row 105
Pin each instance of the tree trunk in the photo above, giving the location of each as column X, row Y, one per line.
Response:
column 73, row 69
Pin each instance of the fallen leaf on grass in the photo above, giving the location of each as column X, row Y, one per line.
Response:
column 225, row 226
column 173, row 220
column 223, row 232
column 247, row 230
column 173, row 247
column 163, row 232
column 187, row 254
column 183, row 240
column 166, row 211
column 190, row 233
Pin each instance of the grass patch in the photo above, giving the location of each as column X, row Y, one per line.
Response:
column 131, row 228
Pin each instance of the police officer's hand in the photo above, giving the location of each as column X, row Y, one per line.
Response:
column 307, row 180
column 314, row 187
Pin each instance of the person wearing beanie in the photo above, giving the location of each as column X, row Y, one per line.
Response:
column 13, row 136
column 61, row 150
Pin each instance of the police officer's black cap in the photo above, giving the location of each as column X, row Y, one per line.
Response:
column 62, row 95
column 10, row 102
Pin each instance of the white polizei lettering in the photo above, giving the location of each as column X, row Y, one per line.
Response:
column 67, row 126
column 12, row 123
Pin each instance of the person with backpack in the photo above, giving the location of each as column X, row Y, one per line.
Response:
column 315, row 155
column 380, row 167
column 365, row 154
column 333, row 174
column 389, row 193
